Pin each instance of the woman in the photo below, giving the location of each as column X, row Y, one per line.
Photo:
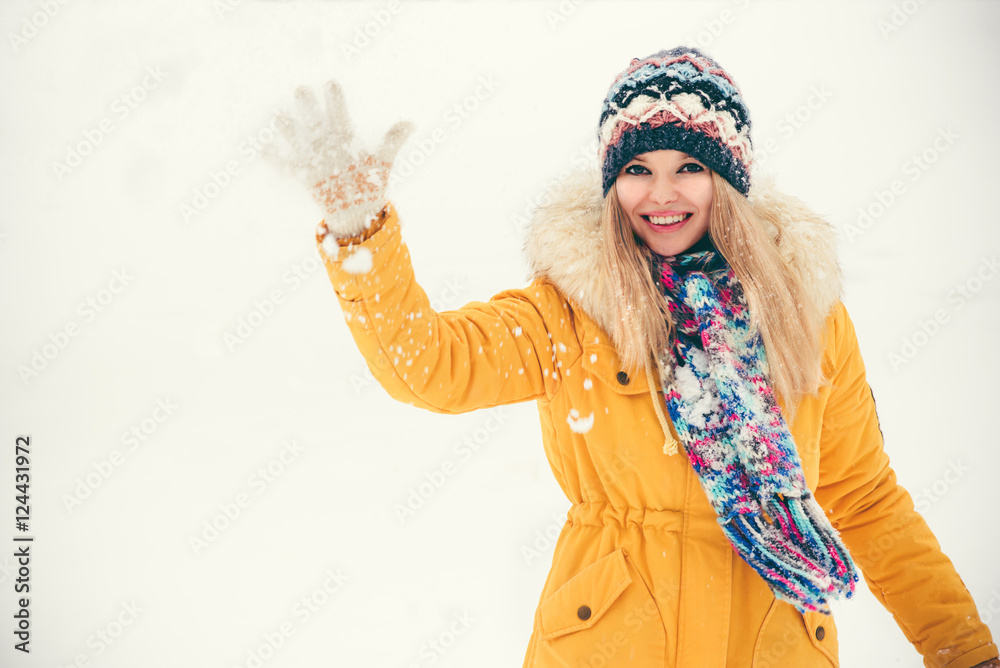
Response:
column 714, row 538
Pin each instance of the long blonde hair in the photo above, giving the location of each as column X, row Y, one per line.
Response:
column 781, row 307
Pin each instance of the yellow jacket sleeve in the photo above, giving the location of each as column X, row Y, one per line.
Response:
column 481, row 355
column 899, row 556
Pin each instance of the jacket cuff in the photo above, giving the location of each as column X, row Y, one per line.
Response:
column 368, row 232
column 329, row 239
column 973, row 657
column 352, row 263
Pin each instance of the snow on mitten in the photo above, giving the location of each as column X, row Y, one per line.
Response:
column 317, row 147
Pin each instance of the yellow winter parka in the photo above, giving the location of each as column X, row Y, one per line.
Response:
column 642, row 574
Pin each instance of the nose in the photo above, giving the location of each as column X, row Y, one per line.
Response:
column 663, row 190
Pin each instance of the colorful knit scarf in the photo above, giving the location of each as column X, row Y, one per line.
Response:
column 722, row 405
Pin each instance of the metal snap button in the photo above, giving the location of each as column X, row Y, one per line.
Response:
column 820, row 633
column 583, row 613
column 622, row 378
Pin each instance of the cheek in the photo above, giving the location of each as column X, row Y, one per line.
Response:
column 629, row 195
column 702, row 196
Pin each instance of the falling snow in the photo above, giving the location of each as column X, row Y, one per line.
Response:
column 330, row 246
column 580, row 425
column 360, row 261
column 374, row 177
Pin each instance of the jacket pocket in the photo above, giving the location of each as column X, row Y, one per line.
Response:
column 790, row 638
column 603, row 615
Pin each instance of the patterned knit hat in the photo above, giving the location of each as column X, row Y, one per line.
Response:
column 676, row 99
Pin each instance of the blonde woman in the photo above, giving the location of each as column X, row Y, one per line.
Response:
column 702, row 396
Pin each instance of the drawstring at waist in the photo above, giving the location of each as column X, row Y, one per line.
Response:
column 602, row 514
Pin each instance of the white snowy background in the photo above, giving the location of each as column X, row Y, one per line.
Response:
column 117, row 301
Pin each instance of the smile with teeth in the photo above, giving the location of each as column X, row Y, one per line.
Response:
column 668, row 220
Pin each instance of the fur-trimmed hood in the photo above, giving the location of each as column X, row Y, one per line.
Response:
column 564, row 243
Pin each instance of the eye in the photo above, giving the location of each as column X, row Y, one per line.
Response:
column 636, row 166
column 695, row 167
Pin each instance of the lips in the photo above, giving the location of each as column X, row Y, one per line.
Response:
column 667, row 218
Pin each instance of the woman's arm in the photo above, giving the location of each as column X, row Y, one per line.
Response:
column 483, row 354
column 900, row 558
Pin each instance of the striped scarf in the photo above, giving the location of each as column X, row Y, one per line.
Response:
column 722, row 405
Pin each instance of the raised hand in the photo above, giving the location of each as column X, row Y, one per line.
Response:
column 317, row 147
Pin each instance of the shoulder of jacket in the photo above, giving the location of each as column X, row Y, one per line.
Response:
column 840, row 340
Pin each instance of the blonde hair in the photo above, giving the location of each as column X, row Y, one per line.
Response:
column 780, row 306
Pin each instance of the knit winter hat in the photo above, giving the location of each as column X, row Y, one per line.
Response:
column 676, row 99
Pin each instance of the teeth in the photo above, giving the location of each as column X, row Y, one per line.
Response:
column 667, row 220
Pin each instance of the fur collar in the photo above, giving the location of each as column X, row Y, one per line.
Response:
column 563, row 243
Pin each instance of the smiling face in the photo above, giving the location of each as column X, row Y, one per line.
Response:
column 667, row 197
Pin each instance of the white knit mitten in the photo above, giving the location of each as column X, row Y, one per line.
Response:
column 317, row 148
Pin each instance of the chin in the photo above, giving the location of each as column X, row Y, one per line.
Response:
column 669, row 250
column 670, row 242
column 672, row 247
